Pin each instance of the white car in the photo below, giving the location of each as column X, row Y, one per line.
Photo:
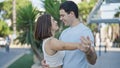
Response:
column 3, row 42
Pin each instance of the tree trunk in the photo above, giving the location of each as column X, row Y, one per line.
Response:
column 14, row 16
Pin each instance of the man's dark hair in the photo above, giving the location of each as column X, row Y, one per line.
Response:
column 69, row 6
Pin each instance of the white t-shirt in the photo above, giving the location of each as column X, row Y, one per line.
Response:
column 54, row 60
column 75, row 58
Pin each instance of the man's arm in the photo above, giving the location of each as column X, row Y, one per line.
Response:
column 91, row 55
column 88, row 50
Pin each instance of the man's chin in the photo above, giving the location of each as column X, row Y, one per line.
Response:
column 67, row 25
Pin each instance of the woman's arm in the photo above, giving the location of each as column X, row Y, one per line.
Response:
column 58, row 45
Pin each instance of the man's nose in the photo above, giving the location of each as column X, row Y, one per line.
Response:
column 61, row 18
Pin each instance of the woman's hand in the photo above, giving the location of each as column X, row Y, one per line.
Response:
column 44, row 65
column 85, row 44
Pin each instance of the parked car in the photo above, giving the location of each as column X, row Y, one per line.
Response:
column 3, row 42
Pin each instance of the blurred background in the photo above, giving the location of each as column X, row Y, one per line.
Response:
column 18, row 48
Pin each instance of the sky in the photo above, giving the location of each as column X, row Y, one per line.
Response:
column 38, row 4
column 108, row 10
column 1, row 0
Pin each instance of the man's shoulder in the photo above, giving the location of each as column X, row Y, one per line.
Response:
column 65, row 30
column 85, row 28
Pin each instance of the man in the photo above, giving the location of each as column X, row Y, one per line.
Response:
column 77, row 32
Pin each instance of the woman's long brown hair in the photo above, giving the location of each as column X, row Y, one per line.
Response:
column 43, row 27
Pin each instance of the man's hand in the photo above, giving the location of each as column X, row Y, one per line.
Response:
column 85, row 44
column 44, row 65
column 88, row 50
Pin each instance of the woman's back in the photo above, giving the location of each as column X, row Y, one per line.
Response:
column 55, row 60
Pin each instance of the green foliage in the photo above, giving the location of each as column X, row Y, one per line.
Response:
column 85, row 8
column 52, row 7
column 4, row 29
column 93, row 27
column 117, row 40
column 117, row 14
column 7, row 7
column 1, row 5
column 25, row 24
column 26, row 16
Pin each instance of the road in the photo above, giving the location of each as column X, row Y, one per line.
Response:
column 110, row 59
column 7, row 58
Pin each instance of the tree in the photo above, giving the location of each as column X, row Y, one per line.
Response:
column 4, row 29
column 52, row 7
column 7, row 6
column 25, row 25
column 117, row 15
column 1, row 5
column 85, row 8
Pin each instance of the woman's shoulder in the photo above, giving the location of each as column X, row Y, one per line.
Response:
column 52, row 39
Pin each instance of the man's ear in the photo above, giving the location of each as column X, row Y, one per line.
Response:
column 72, row 13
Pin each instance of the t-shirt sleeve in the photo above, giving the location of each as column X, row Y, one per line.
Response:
column 88, row 33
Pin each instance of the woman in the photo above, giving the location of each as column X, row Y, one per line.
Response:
column 45, row 30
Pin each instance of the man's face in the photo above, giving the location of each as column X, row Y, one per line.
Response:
column 65, row 18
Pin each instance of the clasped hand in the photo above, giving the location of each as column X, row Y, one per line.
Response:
column 85, row 44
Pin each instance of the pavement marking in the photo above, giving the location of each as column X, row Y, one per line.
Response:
column 12, row 61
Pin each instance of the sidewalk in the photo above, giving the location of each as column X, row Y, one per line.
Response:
column 7, row 58
column 110, row 59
